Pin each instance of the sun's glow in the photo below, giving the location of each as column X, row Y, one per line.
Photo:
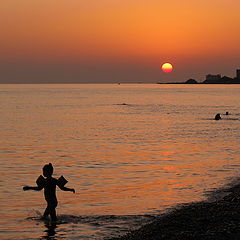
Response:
column 167, row 67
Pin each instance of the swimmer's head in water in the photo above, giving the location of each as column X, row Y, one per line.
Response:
column 48, row 170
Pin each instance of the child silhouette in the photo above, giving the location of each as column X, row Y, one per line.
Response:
column 49, row 184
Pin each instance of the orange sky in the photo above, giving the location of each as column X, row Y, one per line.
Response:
column 118, row 40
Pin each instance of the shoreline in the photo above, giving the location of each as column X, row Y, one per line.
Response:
column 217, row 218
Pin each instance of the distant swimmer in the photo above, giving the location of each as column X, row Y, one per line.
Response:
column 49, row 184
column 218, row 117
column 124, row 104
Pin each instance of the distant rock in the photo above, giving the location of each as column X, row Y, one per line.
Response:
column 191, row 81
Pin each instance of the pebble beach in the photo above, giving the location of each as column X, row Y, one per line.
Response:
column 216, row 219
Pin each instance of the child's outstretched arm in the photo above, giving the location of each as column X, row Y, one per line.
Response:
column 41, row 182
column 61, row 182
column 67, row 189
column 37, row 188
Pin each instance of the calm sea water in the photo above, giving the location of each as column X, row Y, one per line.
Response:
column 130, row 151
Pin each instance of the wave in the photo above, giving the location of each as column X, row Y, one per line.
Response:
column 98, row 219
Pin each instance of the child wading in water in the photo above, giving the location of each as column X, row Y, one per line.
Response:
column 49, row 184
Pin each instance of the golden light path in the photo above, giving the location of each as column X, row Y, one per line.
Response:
column 167, row 67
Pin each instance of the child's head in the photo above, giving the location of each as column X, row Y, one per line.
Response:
column 48, row 170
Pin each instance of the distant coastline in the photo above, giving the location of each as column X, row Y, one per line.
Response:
column 187, row 82
column 212, row 79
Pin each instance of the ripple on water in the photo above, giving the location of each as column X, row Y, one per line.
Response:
column 99, row 226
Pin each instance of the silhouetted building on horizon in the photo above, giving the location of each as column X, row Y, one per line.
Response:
column 210, row 78
column 218, row 79
column 238, row 73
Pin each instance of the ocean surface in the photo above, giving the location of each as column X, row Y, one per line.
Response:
column 131, row 151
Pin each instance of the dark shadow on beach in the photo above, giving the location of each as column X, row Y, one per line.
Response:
column 217, row 218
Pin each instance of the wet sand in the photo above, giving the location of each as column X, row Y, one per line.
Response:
column 217, row 218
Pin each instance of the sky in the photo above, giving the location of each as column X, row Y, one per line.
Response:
column 111, row 41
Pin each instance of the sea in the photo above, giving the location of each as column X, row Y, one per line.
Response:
column 131, row 151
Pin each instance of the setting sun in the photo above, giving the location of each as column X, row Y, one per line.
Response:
column 167, row 67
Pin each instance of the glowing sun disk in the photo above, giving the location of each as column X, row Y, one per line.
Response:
column 167, row 67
